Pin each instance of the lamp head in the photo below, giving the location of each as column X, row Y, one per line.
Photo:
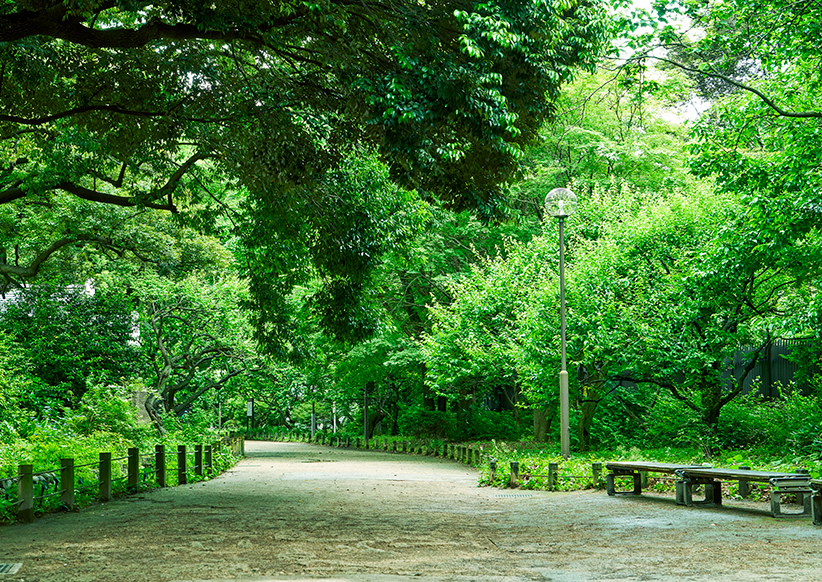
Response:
column 560, row 202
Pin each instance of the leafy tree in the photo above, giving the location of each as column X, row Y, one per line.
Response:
column 67, row 338
column 195, row 336
column 129, row 104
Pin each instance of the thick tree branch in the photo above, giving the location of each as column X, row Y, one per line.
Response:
column 54, row 22
column 12, row 193
column 34, row 267
column 739, row 85
column 103, row 198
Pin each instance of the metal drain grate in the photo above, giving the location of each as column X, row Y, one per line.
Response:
column 515, row 495
column 9, row 568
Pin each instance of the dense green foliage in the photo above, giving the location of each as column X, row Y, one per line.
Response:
column 184, row 108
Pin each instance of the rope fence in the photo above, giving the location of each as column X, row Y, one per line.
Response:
column 127, row 474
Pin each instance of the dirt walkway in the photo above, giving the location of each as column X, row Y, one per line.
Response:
column 302, row 512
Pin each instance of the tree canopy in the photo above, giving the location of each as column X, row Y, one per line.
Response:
column 174, row 105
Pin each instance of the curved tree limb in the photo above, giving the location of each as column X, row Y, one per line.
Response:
column 739, row 85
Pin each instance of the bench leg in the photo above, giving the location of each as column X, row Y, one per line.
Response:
column 776, row 505
column 684, row 493
column 713, row 492
column 816, row 501
column 611, row 486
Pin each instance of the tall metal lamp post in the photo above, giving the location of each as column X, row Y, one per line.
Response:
column 561, row 203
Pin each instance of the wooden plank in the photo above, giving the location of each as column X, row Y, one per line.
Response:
column 736, row 474
column 648, row 466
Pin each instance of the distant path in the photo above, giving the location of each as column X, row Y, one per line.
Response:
column 292, row 511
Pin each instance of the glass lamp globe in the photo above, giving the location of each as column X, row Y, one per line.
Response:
column 560, row 202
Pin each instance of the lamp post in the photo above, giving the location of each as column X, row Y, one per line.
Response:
column 561, row 203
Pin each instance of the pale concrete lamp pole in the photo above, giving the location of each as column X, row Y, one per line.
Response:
column 561, row 203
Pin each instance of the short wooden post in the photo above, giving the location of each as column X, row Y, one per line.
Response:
column 404, row 446
column 25, row 493
column 160, row 464
column 67, row 483
column 105, row 476
column 133, row 480
column 552, row 476
column 182, row 475
column 643, row 479
column 198, row 460
column 513, row 479
column 493, row 466
column 596, row 470
column 452, row 452
column 208, row 459
column 744, row 485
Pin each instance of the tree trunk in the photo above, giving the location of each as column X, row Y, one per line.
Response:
column 154, row 407
column 542, row 423
column 587, row 408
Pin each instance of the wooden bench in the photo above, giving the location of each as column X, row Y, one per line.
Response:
column 781, row 484
column 635, row 469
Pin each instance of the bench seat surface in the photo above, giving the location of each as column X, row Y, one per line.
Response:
column 647, row 466
column 746, row 474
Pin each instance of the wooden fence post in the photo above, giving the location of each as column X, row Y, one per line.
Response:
column 182, row 475
column 25, row 493
column 552, row 476
column 160, row 464
column 596, row 470
column 198, row 460
column 513, row 479
column 67, row 483
column 209, row 460
column 105, row 476
column 493, row 465
column 133, row 481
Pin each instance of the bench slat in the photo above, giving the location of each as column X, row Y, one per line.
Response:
column 737, row 474
column 648, row 466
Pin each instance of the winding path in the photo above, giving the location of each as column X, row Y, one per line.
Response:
column 293, row 511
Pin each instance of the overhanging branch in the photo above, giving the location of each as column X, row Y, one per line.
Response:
column 739, row 85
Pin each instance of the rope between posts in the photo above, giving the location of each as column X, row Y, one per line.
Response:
column 87, row 465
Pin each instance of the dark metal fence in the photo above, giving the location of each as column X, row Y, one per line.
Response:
column 775, row 369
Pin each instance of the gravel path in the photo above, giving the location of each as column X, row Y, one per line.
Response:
column 293, row 511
